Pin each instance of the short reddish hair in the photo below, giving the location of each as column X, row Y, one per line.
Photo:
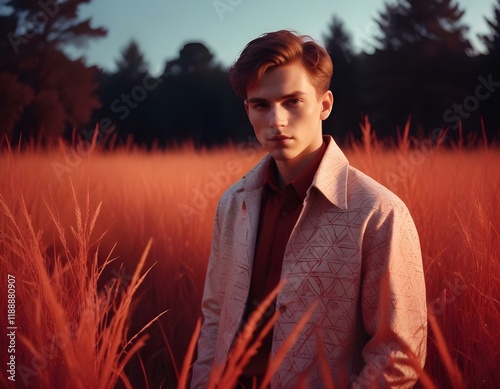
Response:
column 277, row 49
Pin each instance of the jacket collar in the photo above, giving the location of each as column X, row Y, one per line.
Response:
column 330, row 178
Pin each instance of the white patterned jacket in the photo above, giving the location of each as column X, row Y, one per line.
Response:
column 352, row 237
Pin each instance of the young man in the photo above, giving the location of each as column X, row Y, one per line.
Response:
column 339, row 239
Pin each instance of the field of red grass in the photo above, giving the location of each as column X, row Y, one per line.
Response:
column 76, row 318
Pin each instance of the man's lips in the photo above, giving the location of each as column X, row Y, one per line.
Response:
column 280, row 138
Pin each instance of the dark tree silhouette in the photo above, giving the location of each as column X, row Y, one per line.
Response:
column 44, row 91
column 128, row 97
column 338, row 41
column 492, row 41
column 193, row 58
column 191, row 101
column 14, row 96
column 490, row 68
column 429, row 27
column 49, row 22
column 420, row 67
column 132, row 63
column 199, row 100
column 346, row 112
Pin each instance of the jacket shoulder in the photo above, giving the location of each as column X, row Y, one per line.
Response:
column 365, row 192
column 251, row 180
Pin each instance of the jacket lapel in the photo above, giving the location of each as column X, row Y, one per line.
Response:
column 247, row 223
column 252, row 198
column 252, row 203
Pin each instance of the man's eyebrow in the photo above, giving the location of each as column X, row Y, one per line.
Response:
column 285, row 97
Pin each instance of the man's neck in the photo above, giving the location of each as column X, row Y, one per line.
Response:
column 290, row 169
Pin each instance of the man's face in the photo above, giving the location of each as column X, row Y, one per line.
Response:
column 286, row 112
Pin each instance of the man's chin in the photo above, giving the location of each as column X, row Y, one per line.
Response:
column 283, row 154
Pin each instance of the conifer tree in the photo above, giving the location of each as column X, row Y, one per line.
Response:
column 421, row 66
column 428, row 26
column 492, row 40
column 346, row 112
column 338, row 40
column 132, row 62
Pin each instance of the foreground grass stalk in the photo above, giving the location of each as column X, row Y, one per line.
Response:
column 72, row 334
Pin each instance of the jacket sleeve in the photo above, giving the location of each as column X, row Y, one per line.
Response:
column 213, row 296
column 393, row 301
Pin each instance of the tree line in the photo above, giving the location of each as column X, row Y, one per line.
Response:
column 422, row 68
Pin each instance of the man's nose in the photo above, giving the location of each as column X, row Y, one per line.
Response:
column 277, row 117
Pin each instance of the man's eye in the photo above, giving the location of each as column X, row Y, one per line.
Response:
column 294, row 101
column 260, row 106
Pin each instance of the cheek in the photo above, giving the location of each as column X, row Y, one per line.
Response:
column 312, row 114
column 252, row 121
column 258, row 122
column 301, row 116
column 257, row 125
column 253, row 117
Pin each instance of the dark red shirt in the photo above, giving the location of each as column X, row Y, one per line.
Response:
column 280, row 209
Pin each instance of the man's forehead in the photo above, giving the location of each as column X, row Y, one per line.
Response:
column 256, row 97
column 283, row 81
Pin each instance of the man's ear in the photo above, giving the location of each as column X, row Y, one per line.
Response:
column 326, row 104
column 245, row 103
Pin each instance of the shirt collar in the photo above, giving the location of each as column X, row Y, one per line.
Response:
column 330, row 178
column 301, row 183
